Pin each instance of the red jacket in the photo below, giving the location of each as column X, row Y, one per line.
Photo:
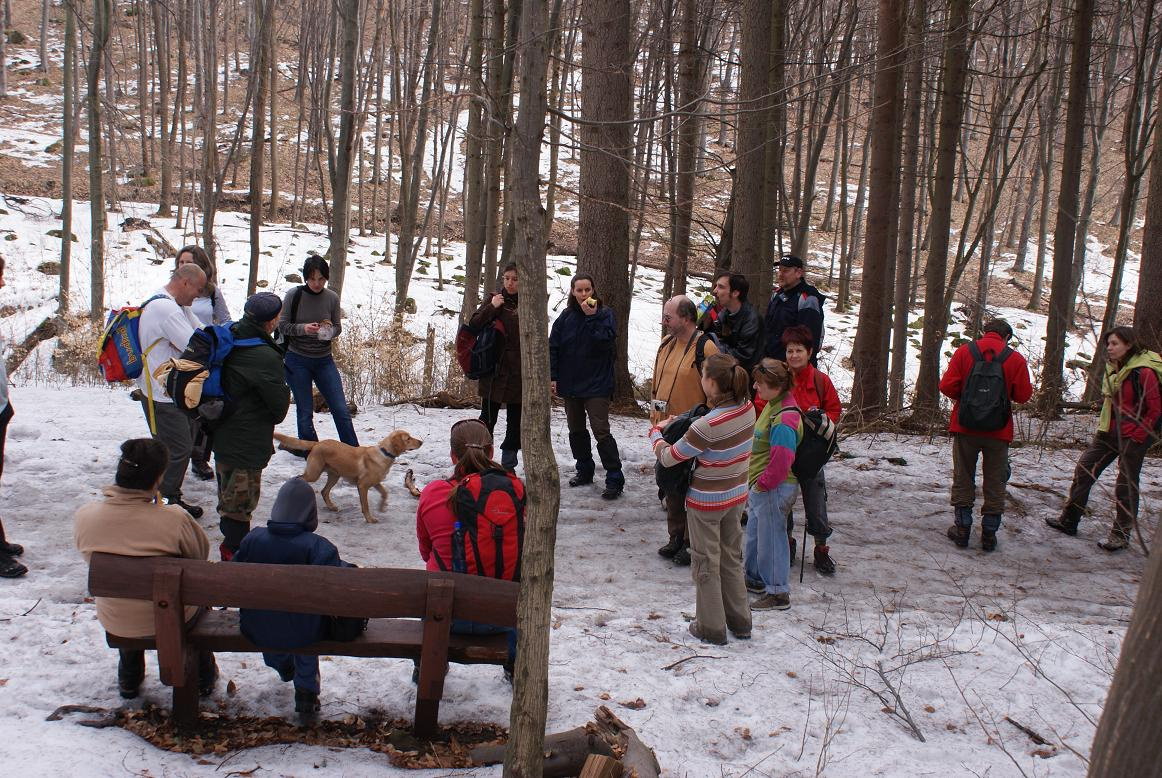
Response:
column 1016, row 377
column 435, row 522
column 807, row 395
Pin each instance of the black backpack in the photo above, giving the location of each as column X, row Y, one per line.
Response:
column 984, row 401
column 819, row 444
column 194, row 380
column 676, row 479
column 478, row 350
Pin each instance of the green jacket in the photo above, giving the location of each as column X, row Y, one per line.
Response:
column 255, row 379
column 1112, row 384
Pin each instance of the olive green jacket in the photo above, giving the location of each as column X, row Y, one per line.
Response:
column 255, row 381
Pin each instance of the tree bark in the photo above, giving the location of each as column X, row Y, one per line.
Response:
column 348, row 11
column 1147, row 311
column 1064, row 234
column 474, row 184
column 68, row 159
column 264, row 10
column 102, row 12
column 747, row 248
column 531, row 682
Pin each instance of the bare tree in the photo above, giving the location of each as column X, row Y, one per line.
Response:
column 1147, row 311
column 102, row 14
column 348, row 11
column 68, row 158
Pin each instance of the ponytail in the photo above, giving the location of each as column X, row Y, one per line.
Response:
column 741, row 383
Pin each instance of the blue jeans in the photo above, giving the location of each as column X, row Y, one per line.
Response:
column 306, row 669
column 768, row 555
column 301, row 372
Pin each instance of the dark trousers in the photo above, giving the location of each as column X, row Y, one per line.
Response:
column 172, row 427
column 676, row 519
column 131, row 667
column 814, row 493
column 597, row 411
column 1105, row 448
column 306, row 669
column 5, row 417
column 301, row 373
column 490, row 412
column 203, row 442
column 966, row 449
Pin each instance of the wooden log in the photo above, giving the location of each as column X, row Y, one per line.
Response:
column 598, row 766
column 636, row 757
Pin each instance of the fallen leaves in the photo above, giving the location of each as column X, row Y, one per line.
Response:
column 634, row 704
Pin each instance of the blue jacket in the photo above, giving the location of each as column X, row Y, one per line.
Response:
column 287, row 539
column 801, row 305
column 581, row 350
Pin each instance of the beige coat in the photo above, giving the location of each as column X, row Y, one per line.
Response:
column 128, row 522
column 676, row 379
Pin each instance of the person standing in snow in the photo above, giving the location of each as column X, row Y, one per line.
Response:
column 164, row 330
column 311, row 318
column 677, row 388
column 289, row 539
column 208, row 308
column 9, row 566
column 1128, row 425
column 812, row 389
column 969, row 368
column 253, row 378
column 794, row 302
column 721, row 443
column 773, row 485
column 737, row 326
column 504, row 386
column 581, row 352
column 130, row 522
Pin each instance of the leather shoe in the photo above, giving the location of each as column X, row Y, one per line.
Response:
column 671, row 548
column 682, row 558
column 202, row 470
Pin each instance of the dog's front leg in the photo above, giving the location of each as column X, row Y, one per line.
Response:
column 363, row 502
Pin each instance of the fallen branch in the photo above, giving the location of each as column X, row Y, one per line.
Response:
column 687, row 659
column 899, row 708
column 1032, row 735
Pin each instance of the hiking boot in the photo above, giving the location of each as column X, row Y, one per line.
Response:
column 671, row 548
column 202, row 470
column 508, row 459
column 306, row 703
column 612, row 492
column 755, row 586
column 130, row 673
column 682, row 558
column 10, row 568
column 958, row 534
column 772, row 602
column 193, row 510
column 1115, row 542
column 824, row 564
column 9, row 549
column 1068, row 520
column 581, row 480
column 988, row 540
column 742, row 634
column 695, row 629
column 794, row 546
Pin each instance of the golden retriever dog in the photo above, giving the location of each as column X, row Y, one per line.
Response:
column 364, row 466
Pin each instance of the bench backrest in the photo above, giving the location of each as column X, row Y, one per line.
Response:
column 331, row 591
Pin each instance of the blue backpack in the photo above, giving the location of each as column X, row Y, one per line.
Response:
column 194, row 380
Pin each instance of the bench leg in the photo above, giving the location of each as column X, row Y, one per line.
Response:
column 429, row 691
column 185, row 697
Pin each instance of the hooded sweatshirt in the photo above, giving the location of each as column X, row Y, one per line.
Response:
column 1138, row 415
column 287, row 539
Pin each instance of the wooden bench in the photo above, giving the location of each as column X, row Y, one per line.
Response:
column 411, row 614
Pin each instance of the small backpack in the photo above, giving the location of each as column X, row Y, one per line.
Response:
column 984, row 401
column 478, row 349
column 194, row 380
column 676, row 478
column 820, row 442
column 1138, row 400
column 119, row 353
column 489, row 536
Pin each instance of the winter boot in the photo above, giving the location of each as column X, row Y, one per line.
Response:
column 989, row 524
column 614, row 485
column 682, row 558
column 584, row 475
column 306, row 703
column 6, row 548
column 193, row 510
column 130, row 672
column 1068, row 520
column 10, row 568
column 202, row 470
column 823, row 561
column 508, row 459
column 581, row 447
column 958, row 533
column 671, row 548
column 1115, row 542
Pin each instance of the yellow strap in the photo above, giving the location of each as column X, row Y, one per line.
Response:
column 149, row 386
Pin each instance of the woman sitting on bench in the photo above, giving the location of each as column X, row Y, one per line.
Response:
column 130, row 521
column 482, row 496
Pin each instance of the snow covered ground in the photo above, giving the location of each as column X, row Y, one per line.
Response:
column 1030, row 632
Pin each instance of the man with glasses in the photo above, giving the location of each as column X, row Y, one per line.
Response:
column 794, row 302
column 677, row 387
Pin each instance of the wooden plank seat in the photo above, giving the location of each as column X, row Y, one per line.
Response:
column 411, row 614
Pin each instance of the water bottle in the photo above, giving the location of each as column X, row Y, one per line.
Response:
column 704, row 306
column 459, row 564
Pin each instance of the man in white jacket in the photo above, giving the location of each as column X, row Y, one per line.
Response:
column 164, row 330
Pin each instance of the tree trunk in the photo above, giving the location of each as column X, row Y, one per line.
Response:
column 348, row 11
column 264, row 9
column 869, row 356
column 68, row 159
column 607, row 134
column 474, row 184
column 1064, row 234
column 952, row 96
column 1147, row 312
column 272, row 82
column 690, row 80
column 747, row 248
column 102, row 13
column 531, row 681
column 161, row 44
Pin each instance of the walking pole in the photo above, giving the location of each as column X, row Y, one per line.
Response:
column 803, row 550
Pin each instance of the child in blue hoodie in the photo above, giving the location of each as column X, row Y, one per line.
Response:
column 289, row 539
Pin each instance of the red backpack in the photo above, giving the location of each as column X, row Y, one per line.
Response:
column 490, row 512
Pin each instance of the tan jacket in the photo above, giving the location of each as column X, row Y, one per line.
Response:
column 676, row 379
column 128, row 522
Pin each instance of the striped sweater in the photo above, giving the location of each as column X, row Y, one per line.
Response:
column 721, row 442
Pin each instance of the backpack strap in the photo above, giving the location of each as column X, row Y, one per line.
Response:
column 494, row 478
column 976, row 355
column 298, row 298
column 819, row 388
column 700, row 351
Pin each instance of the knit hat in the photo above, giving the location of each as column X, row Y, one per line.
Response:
column 263, row 307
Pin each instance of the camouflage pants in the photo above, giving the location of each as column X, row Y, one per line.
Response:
column 238, row 493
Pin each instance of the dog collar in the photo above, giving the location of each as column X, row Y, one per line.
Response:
column 386, row 453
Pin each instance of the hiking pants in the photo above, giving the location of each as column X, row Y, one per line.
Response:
column 768, row 554
column 490, row 412
column 965, row 450
column 301, row 372
column 597, row 409
column 716, row 566
column 1107, row 447
column 676, row 519
column 238, row 493
column 173, row 429
column 815, row 506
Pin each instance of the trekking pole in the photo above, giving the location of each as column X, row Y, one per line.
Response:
column 803, row 550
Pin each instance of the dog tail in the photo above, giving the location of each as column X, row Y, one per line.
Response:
column 287, row 443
